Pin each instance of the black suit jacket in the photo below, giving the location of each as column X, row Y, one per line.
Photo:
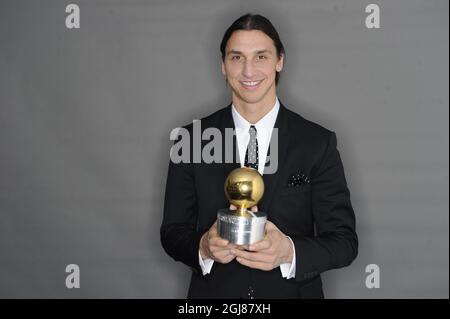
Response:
column 317, row 216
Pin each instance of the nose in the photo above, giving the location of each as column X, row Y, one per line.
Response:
column 248, row 70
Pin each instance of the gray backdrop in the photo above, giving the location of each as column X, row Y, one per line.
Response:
column 85, row 116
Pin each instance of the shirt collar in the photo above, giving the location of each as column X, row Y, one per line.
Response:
column 266, row 123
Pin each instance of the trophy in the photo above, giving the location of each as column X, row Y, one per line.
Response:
column 244, row 187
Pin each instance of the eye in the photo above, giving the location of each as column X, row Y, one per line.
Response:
column 262, row 57
column 235, row 58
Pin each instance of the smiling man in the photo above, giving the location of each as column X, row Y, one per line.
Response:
column 251, row 63
column 311, row 223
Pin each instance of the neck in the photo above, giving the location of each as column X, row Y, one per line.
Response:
column 253, row 112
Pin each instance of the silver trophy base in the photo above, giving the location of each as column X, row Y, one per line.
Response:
column 241, row 230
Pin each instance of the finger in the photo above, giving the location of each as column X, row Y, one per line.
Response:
column 212, row 232
column 231, row 246
column 254, row 264
column 243, row 247
column 254, row 209
column 221, row 254
column 270, row 225
column 227, row 259
column 224, row 256
column 216, row 249
column 260, row 245
column 252, row 256
column 218, row 241
column 232, row 207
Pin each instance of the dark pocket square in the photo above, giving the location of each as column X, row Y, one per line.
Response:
column 298, row 179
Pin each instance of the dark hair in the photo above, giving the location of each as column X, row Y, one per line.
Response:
column 254, row 22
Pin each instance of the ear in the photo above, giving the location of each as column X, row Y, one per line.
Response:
column 280, row 63
column 223, row 68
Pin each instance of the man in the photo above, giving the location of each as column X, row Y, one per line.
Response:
column 311, row 223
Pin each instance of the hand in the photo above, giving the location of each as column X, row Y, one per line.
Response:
column 216, row 248
column 269, row 253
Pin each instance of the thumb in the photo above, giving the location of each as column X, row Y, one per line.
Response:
column 213, row 229
column 270, row 225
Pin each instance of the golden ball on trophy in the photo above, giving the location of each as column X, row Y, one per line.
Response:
column 244, row 188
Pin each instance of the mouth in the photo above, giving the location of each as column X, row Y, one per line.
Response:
column 250, row 85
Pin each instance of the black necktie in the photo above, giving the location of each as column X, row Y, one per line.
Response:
column 251, row 156
column 251, row 160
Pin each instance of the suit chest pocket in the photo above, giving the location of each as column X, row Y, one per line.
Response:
column 296, row 198
column 304, row 190
column 293, row 209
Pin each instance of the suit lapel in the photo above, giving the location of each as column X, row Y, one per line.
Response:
column 271, row 181
column 227, row 122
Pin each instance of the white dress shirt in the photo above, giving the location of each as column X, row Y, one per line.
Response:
column 264, row 129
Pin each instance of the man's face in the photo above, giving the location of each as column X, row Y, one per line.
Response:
column 250, row 65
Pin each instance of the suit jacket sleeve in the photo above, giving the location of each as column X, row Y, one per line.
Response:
column 335, row 243
column 179, row 235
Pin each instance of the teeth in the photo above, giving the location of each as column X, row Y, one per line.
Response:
column 253, row 83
